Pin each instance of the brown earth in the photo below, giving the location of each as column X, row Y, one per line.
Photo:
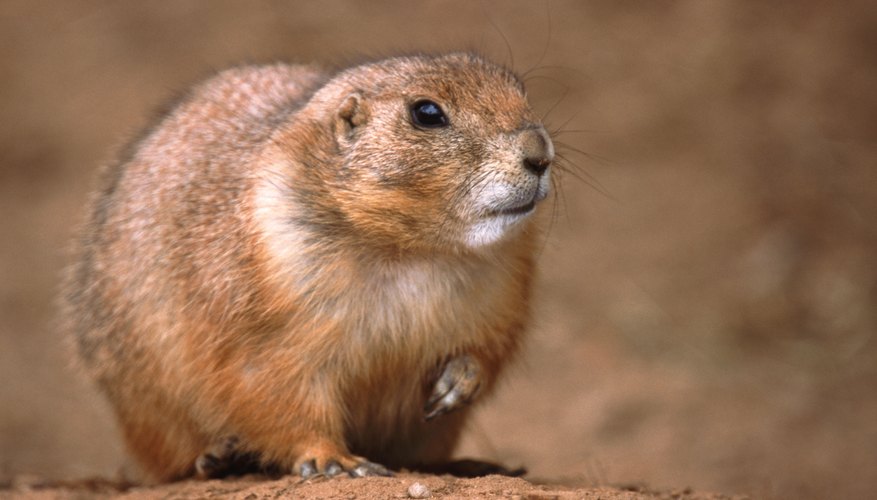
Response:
column 373, row 488
column 707, row 309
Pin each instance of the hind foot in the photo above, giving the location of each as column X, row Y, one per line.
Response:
column 225, row 458
column 322, row 461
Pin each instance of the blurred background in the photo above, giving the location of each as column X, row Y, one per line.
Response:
column 707, row 308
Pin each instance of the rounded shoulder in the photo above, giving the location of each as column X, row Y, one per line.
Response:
column 256, row 90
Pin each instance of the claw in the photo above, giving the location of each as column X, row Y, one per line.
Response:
column 364, row 469
column 308, row 469
column 354, row 466
column 333, row 468
column 207, row 465
column 456, row 386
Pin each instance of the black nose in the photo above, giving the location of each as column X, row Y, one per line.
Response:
column 537, row 165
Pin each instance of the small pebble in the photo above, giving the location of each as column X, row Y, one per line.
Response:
column 417, row 490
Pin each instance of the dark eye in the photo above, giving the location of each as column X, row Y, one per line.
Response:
column 427, row 114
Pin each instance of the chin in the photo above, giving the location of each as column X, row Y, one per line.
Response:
column 495, row 228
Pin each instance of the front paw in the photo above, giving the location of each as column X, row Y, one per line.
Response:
column 456, row 386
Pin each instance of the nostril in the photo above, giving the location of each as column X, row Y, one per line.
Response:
column 537, row 165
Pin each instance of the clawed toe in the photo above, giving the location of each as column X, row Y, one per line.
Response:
column 226, row 458
column 331, row 468
column 456, row 386
column 366, row 468
column 307, row 469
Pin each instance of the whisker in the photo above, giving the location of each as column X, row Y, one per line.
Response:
column 553, row 106
column 583, row 176
column 548, row 40
column 555, row 67
column 508, row 45
column 561, row 131
column 552, row 218
column 562, row 195
column 527, row 79
column 591, row 156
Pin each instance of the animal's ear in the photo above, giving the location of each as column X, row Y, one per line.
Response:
column 349, row 116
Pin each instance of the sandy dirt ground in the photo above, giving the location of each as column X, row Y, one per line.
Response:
column 707, row 306
column 373, row 488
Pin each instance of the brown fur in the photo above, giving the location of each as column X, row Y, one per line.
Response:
column 283, row 259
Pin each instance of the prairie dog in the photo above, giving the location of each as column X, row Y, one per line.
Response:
column 313, row 271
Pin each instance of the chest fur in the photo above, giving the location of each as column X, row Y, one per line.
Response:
column 423, row 307
column 413, row 307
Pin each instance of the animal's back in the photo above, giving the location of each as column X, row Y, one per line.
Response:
column 170, row 204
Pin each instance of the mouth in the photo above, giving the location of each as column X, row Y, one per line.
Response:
column 518, row 210
column 522, row 209
column 493, row 224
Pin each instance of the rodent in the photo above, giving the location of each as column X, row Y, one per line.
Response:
column 313, row 270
